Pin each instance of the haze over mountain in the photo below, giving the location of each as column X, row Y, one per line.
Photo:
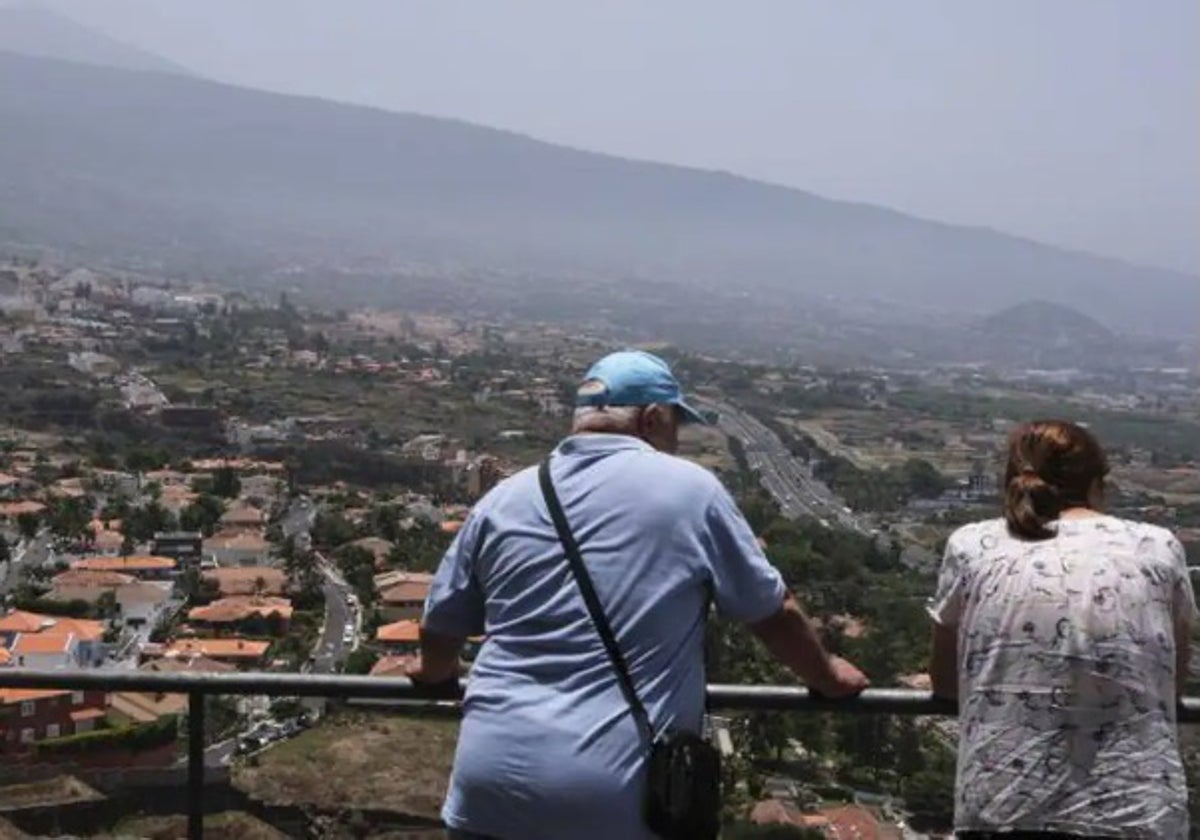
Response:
column 196, row 174
column 35, row 30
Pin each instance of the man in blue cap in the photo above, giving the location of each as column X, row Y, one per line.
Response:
column 549, row 748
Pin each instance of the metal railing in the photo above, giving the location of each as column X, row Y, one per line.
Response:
column 777, row 698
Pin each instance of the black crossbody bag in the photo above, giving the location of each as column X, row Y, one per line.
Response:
column 682, row 800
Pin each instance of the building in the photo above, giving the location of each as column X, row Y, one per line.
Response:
column 10, row 486
column 116, row 483
column 243, row 517
column 255, row 615
column 29, row 715
column 846, row 822
column 45, row 651
column 139, row 566
column 66, row 642
column 400, row 637
column 244, row 654
column 482, row 475
column 138, row 601
column 392, row 666
column 177, row 497
column 405, row 599
column 184, row 547
column 143, row 707
column 237, row 548
column 11, row 512
column 247, row 580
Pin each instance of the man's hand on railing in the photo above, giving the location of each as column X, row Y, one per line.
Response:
column 844, row 680
column 434, row 685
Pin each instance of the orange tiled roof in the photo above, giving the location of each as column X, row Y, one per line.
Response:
column 243, row 580
column 90, row 577
column 392, row 666
column 242, row 514
column 6, row 479
column 389, row 579
column 399, row 631
column 19, row 621
column 187, row 663
column 406, row 593
column 240, row 608
column 451, row 526
column 9, row 696
column 218, row 648
column 238, row 541
column 5, row 657
column 857, row 822
column 87, row 714
column 35, row 643
column 18, row 508
column 124, row 564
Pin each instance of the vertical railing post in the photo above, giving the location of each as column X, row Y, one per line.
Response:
column 195, row 765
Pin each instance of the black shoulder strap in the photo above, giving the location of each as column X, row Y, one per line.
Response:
column 584, row 581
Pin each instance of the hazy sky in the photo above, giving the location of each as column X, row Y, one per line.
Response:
column 1072, row 121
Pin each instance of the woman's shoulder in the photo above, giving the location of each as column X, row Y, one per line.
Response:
column 1144, row 532
column 978, row 537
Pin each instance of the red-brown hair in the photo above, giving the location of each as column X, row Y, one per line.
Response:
column 1052, row 465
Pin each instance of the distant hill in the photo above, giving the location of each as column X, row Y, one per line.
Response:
column 31, row 29
column 191, row 174
column 1047, row 324
column 1041, row 334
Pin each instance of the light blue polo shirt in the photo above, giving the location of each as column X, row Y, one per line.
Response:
column 548, row 747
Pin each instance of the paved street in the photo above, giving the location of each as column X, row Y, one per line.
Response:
column 33, row 554
column 298, row 518
column 788, row 479
column 331, row 650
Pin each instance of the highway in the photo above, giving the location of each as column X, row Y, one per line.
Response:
column 787, row 478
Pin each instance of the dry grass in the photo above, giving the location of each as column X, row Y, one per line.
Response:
column 706, row 446
column 57, row 791
column 358, row 760
column 232, row 825
column 8, row 831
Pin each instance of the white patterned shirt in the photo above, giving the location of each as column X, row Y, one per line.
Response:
column 1066, row 656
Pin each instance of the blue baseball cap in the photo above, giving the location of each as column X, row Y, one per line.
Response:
column 634, row 377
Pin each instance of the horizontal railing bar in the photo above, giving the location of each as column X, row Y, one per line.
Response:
column 899, row 701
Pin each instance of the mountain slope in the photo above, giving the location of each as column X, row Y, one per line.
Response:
column 198, row 173
column 34, row 30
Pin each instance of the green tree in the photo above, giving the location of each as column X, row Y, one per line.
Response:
column 107, row 607
column 332, row 530
column 28, row 524
column 143, row 522
column 202, row 515
column 357, row 566
column 361, row 661
column 225, row 483
column 68, row 519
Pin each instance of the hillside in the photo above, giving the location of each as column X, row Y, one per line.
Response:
column 34, row 30
column 190, row 174
column 1050, row 335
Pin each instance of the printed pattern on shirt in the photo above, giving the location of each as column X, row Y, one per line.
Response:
column 1067, row 677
